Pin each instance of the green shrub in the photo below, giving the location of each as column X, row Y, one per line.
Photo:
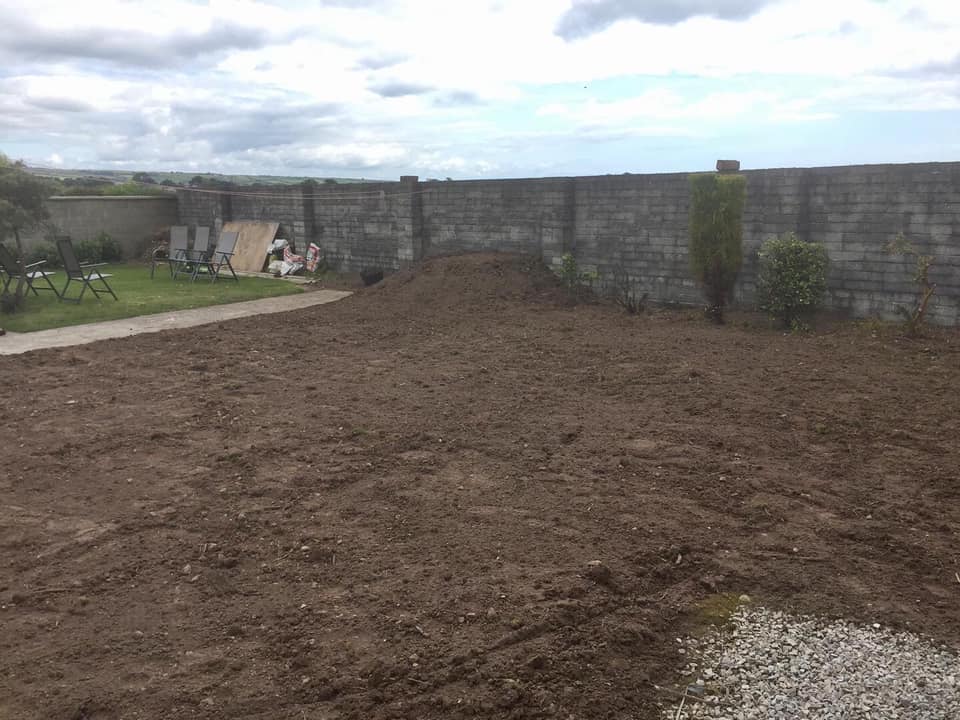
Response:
column 716, row 235
column 45, row 251
column 569, row 273
column 110, row 250
column 574, row 282
column 627, row 291
column 38, row 251
column 101, row 188
column 102, row 248
column 791, row 278
column 88, row 251
column 915, row 317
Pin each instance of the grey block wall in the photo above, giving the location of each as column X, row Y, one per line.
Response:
column 635, row 222
column 357, row 225
column 638, row 223
column 529, row 216
column 131, row 220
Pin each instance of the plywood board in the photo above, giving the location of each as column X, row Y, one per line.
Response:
column 253, row 243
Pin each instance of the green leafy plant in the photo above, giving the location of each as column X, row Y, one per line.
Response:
column 45, row 251
column 88, row 251
column 22, row 208
column 627, row 292
column 915, row 317
column 102, row 248
column 716, row 236
column 791, row 278
column 110, row 250
column 572, row 279
column 113, row 189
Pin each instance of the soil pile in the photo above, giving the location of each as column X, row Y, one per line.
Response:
column 461, row 280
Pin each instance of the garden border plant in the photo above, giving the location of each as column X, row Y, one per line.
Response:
column 915, row 318
column 627, row 291
column 716, row 236
column 791, row 278
column 574, row 281
column 100, row 249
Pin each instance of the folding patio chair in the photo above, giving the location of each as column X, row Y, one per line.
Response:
column 220, row 257
column 175, row 250
column 189, row 258
column 84, row 273
column 8, row 267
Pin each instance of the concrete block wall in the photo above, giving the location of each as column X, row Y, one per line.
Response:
column 203, row 208
column 131, row 220
column 358, row 225
column 264, row 203
column 261, row 203
column 364, row 224
column 637, row 223
column 640, row 224
column 528, row 216
column 857, row 211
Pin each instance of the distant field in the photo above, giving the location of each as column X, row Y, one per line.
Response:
column 182, row 178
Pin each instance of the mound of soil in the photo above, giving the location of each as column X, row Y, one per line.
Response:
column 457, row 281
column 453, row 496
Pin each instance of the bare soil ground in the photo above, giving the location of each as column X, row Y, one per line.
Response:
column 388, row 507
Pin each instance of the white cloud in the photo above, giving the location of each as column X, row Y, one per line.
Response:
column 666, row 106
column 430, row 86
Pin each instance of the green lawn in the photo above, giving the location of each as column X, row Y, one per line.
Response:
column 138, row 295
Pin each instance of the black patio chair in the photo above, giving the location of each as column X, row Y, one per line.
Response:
column 199, row 253
column 86, row 273
column 10, row 268
column 175, row 250
column 220, row 257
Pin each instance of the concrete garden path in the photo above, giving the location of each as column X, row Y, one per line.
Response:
column 16, row 343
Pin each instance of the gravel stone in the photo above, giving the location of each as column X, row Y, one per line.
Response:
column 771, row 665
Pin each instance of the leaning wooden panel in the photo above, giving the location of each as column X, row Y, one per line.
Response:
column 252, row 245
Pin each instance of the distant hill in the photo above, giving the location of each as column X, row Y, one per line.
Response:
column 118, row 177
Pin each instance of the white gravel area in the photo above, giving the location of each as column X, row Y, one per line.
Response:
column 770, row 665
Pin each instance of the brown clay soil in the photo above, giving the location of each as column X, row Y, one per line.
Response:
column 388, row 507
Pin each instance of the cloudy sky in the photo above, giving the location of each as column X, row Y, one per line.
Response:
column 477, row 88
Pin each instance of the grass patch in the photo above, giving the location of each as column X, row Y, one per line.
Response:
column 716, row 610
column 138, row 295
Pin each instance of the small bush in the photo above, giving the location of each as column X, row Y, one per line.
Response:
column 915, row 318
column 110, row 250
column 45, row 251
column 627, row 291
column 716, row 235
column 88, row 251
column 102, row 248
column 791, row 279
column 574, row 282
